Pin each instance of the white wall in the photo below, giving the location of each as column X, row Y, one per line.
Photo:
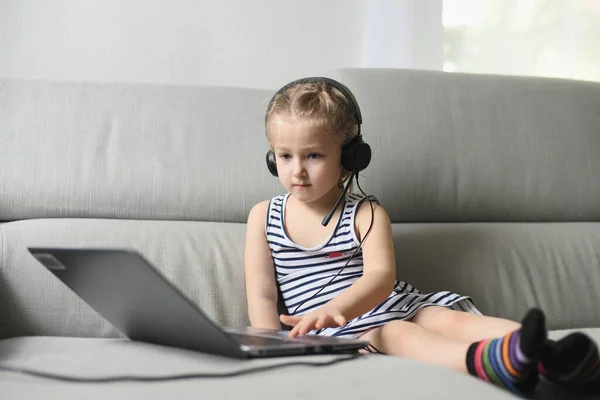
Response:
column 403, row 33
column 249, row 43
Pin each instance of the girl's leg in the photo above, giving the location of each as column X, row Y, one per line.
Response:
column 406, row 339
column 508, row 361
column 573, row 361
column 463, row 326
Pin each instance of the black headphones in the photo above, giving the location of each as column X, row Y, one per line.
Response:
column 356, row 155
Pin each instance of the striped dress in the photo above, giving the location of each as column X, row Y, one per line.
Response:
column 304, row 274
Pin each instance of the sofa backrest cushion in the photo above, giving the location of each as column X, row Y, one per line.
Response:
column 131, row 151
column 451, row 147
column 446, row 148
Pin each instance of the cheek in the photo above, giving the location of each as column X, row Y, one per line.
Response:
column 332, row 172
column 282, row 167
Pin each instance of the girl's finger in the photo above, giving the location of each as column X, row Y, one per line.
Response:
column 340, row 320
column 321, row 321
column 294, row 331
column 290, row 320
column 306, row 326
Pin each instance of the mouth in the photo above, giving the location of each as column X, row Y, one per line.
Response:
column 301, row 185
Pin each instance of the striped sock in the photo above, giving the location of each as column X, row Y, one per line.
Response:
column 573, row 361
column 510, row 362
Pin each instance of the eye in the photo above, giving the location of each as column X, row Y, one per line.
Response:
column 285, row 156
column 314, row 155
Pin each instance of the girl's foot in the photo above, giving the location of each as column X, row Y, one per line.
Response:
column 511, row 361
column 573, row 361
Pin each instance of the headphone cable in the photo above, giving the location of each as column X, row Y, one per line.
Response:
column 177, row 377
column 370, row 200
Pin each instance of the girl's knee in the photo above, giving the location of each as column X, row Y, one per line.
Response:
column 438, row 319
column 391, row 331
column 427, row 315
column 372, row 335
column 399, row 328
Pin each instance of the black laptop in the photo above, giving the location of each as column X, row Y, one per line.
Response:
column 136, row 299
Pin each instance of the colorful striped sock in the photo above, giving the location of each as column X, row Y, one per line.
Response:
column 510, row 362
column 573, row 361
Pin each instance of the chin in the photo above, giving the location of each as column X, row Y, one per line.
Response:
column 303, row 195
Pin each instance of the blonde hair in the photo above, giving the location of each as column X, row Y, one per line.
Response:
column 320, row 104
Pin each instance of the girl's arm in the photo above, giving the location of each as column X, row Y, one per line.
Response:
column 376, row 284
column 261, row 289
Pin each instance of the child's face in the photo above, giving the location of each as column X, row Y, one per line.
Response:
column 308, row 160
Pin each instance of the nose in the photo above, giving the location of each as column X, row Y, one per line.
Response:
column 299, row 171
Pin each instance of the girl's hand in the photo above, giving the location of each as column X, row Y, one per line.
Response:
column 318, row 319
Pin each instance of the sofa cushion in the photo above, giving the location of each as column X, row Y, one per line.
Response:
column 204, row 260
column 131, row 151
column 446, row 148
column 508, row 267
column 452, row 147
column 372, row 376
column 505, row 268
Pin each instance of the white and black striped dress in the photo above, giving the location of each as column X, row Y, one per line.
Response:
column 301, row 272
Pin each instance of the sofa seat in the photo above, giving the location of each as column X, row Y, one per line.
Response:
column 101, row 357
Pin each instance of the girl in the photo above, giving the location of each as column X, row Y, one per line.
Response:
column 339, row 279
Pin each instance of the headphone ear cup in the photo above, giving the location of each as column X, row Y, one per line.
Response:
column 272, row 163
column 356, row 156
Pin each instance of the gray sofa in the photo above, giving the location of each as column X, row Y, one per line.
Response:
column 492, row 184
